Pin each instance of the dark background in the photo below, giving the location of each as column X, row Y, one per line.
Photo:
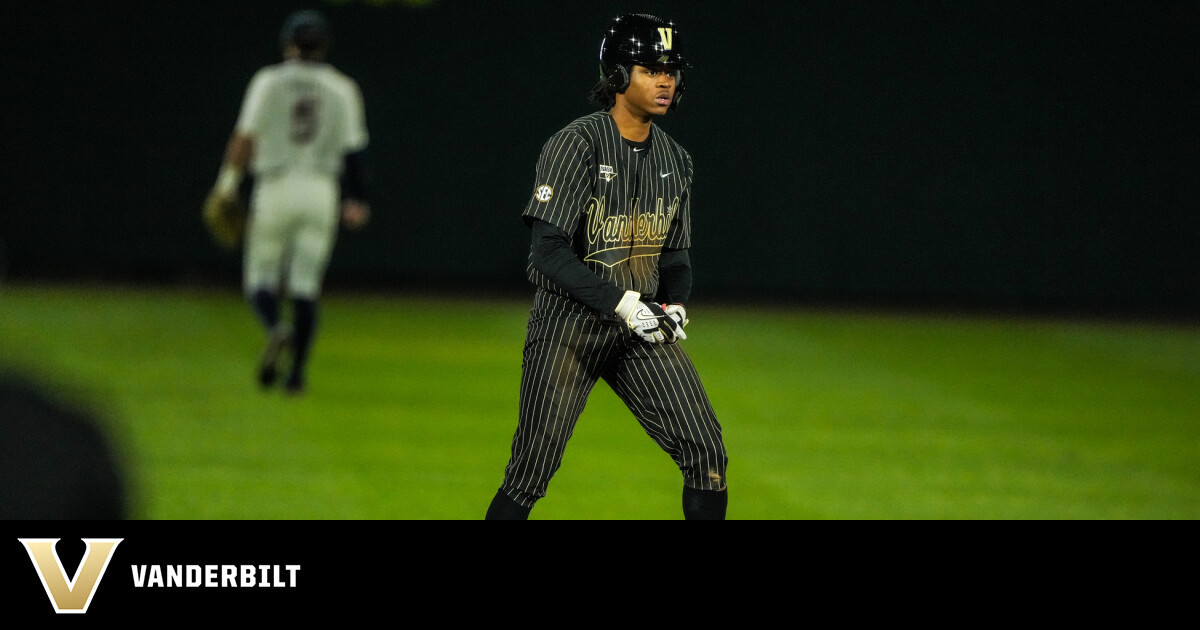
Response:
column 1002, row 155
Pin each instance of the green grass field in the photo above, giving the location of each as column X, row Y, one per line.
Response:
column 827, row 415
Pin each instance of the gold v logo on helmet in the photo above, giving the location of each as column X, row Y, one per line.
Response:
column 666, row 34
column 72, row 595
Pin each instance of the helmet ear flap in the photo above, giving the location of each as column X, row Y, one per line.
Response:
column 616, row 76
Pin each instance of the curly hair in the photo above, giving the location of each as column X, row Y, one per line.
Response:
column 603, row 94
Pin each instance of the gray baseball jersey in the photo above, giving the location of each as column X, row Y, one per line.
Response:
column 303, row 115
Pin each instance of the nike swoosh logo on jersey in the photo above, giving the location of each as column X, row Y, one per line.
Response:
column 665, row 174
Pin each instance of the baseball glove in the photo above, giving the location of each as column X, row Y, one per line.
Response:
column 225, row 218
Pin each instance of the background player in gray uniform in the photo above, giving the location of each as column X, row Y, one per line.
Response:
column 301, row 133
column 611, row 226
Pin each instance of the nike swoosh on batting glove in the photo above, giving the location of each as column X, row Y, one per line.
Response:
column 646, row 319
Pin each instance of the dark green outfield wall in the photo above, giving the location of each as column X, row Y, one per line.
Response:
column 991, row 153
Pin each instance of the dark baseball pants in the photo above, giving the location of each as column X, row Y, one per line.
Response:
column 568, row 348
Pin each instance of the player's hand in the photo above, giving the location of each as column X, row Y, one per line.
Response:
column 355, row 213
column 678, row 313
column 648, row 320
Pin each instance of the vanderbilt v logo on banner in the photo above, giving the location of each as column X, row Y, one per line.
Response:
column 70, row 595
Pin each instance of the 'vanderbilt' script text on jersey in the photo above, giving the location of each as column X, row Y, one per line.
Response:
column 621, row 203
column 615, row 238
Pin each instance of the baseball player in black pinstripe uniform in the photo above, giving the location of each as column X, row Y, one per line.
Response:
column 611, row 227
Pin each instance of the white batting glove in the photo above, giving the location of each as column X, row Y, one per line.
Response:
column 648, row 319
column 677, row 313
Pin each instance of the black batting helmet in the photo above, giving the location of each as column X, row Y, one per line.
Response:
column 644, row 40
column 307, row 30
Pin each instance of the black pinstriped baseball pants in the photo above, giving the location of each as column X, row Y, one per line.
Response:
column 568, row 348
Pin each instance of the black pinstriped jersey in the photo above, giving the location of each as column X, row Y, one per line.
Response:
column 620, row 204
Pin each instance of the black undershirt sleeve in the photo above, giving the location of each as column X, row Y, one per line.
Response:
column 674, row 277
column 356, row 176
column 552, row 255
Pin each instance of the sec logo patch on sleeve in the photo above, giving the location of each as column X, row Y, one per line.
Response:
column 544, row 193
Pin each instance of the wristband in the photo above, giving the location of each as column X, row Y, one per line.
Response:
column 228, row 180
column 628, row 302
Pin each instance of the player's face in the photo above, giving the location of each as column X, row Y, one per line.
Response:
column 650, row 90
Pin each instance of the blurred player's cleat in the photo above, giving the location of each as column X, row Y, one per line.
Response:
column 277, row 341
column 294, row 386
